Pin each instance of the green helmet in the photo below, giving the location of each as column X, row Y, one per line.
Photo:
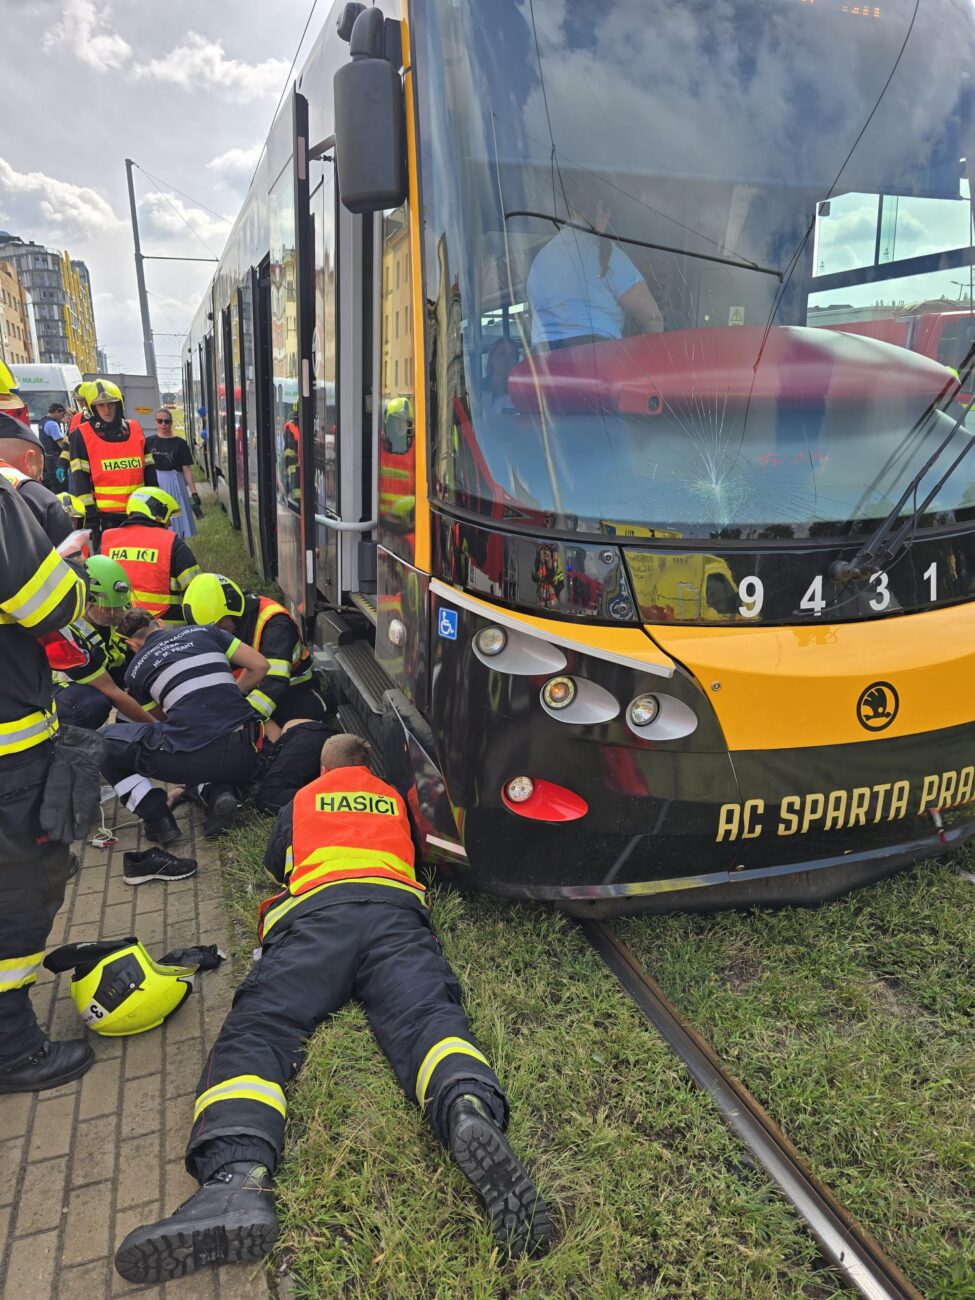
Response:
column 108, row 583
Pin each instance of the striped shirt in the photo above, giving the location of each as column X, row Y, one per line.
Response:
column 187, row 672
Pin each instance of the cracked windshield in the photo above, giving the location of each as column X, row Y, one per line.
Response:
column 753, row 320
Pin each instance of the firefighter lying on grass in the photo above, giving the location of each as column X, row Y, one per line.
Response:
column 343, row 853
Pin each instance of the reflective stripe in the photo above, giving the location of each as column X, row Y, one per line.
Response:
column 243, row 1087
column 132, row 790
column 115, row 489
column 85, row 498
column 261, row 703
column 279, row 668
column 439, row 1052
column 80, row 466
column 27, row 732
column 301, row 678
column 184, row 579
column 339, row 856
column 183, row 665
column 190, row 688
column 15, row 972
column 289, row 860
column 155, row 597
column 43, row 591
column 275, row 914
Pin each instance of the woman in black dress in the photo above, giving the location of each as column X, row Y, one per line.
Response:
column 174, row 470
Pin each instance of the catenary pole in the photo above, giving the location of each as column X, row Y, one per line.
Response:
column 140, row 277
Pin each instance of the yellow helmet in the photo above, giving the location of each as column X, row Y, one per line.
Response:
column 103, row 390
column 83, row 391
column 117, row 987
column 211, row 597
column 8, row 384
column 153, row 503
column 72, row 506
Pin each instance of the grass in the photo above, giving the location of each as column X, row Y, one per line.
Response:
column 852, row 1024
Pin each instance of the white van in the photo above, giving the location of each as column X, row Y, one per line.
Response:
column 41, row 385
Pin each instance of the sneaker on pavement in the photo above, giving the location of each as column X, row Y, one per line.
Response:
column 518, row 1215
column 155, row 864
column 53, row 1064
column 223, row 805
column 230, row 1220
column 162, row 830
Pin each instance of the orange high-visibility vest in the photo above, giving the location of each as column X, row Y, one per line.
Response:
column 347, row 826
column 116, row 468
column 145, row 553
column 300, row 667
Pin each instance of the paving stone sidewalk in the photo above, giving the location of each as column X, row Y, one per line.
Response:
column 83, row 1164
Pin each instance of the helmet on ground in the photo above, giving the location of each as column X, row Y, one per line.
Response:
column 71, row 505
column 108, row 583
column 153, row 503
column 117, row 987
column 103, row 390
column 211, row 597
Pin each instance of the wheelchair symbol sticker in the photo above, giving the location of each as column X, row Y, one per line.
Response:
column 447, row 626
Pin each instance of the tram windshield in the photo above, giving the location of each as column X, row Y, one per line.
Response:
column 698, row 269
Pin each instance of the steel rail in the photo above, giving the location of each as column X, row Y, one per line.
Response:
column 844, row 1241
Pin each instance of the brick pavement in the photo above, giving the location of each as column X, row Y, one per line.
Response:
column 84, row 1163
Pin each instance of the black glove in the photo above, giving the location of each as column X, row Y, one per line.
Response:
column 197, row 508
column 72, row 791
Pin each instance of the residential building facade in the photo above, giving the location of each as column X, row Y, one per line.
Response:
column 59, row 291
column 16, row 346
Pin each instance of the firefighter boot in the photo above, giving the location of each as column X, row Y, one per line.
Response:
column 49, row 1067
column 230, row 1220
column 223, row 804
column 519, row 1217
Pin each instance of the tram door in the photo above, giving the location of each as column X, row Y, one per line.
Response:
column 231, row 427
column 244, row 377
column 262, row 478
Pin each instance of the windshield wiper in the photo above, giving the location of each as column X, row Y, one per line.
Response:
column 742, row 263
column 889, row 540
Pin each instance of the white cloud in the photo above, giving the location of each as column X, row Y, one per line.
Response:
column 167, row 214
column 199, row 64
column 52, row 209
column 85, row 29
column 236, row 164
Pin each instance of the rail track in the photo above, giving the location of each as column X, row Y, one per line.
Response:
column 844, row 1242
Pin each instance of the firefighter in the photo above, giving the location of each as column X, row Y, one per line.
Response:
column 159, row 563
column 287, row 691
column 81, row 414
column 109, row 459
column 210, row 735
column 22, row 464
column 39, row 593
column 85, row 651
column 345, row 840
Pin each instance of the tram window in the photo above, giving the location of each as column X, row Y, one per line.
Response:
column 397, row 462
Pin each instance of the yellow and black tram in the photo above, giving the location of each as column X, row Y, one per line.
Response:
column 595, row 380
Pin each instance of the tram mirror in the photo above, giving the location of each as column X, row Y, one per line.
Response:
column 370, row 132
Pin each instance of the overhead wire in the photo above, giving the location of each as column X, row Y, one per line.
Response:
column 301, row 41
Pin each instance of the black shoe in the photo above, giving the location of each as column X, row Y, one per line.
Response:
column 223, row 805
column 230, row 1220
column 54, row 1064
column 518, row 1215
column 155, row 864
column 162, row 830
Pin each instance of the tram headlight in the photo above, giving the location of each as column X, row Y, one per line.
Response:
column 643, row 710
column 491, row 641
column 559, row 692
column 520, row 789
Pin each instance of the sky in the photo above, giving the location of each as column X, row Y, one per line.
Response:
column 188, row 92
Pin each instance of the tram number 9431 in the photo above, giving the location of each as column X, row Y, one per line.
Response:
column 751, row 593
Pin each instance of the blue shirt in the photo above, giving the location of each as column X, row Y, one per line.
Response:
column 50, row 428
column 568, row 296
column 187, row 672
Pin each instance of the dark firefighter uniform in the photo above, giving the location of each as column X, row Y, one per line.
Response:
column 349, row 922
column 108, row 462
column 39, row 593
column 158, row 563
column 84, row 653
column 209, row 732
column 43, row 504
column 286, row 692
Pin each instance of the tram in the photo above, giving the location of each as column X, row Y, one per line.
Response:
column 528, row 382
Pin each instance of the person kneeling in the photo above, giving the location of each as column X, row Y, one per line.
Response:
column 209, row 734
column 344, row 841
